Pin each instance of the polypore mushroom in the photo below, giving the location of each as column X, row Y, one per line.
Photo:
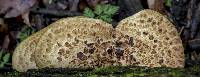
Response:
column 72, row 42
column 22, row 58
column 163, row 43
column 144, row 39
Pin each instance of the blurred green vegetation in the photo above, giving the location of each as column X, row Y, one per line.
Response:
column 25, row 32
column 4, row 58
column 104, row 12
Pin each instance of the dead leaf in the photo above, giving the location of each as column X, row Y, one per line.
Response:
column 62, row 5
column 14, row 34
column 195, row 57
column 6, row 42
column 3, row 26
column 38, row 21
column 14, row 8
column 82, row 5
column 92, row 3
column 47, row 2
column 195, row 44
column 156, row 5
column 73, row 5
column 25, row 16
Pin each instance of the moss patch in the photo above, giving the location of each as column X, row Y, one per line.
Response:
column 128, row 71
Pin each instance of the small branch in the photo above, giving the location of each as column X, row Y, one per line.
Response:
column 195, row 44
column 60, row 13
column 182, row 28
column 6, row 42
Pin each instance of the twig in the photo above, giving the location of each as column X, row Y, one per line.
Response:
column 189, row 13
column 182, row 28
column 195, row 44
column 54, row 12
column 129, row 7
column 6, row 42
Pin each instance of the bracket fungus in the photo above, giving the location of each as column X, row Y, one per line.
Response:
column 144, row 39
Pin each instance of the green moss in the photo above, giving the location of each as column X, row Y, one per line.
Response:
column 129, row 75
column 93, row 76
column 107, row 70
column 117, row 71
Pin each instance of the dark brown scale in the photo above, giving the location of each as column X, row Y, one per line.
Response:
column 134, row 24
column 160, row 30
column 110, row 56
column 98, row 56
column 69, row 35
column 153, row 23
column 85, row 50
column 114, row 35
column 85, row 42
column 152, row 58
column 98, row 41
column 144, row 15
column 118, row 44
column 141, row 21
column 81, row 56
column 90, row 44
column 156, row 56
column 74, row 44
column 111, row 61
column 76, row 40
column 119, row 52
column 161, row 19
column 149, row 61
column 155, row 41
column 132, row 58
column 149, row 19
column 59, row 44
column 131, row 41
column 126, row 36
column 126, row 41
column 153, row 52
column 59, row 59
column 167, row 38
column 104, row 59
column 73, row 61
column 67, row 44
column 154, row 46
column 104, row 53
column 151, row 37
column 119, row 63
column 93, row 34
column 158, row 23
column 161, row 61
column 32, row 57
column 110, row 51
column 91, row 50
column 122, row 58
column 66, row 56
column 145, row 33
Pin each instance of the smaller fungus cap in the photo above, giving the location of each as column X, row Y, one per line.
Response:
column 163, row 43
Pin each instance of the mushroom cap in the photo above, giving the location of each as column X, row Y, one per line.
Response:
column 144, row 39
column 66, row 40
column 83, row 43
column 163, row 43
column 22, row 58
